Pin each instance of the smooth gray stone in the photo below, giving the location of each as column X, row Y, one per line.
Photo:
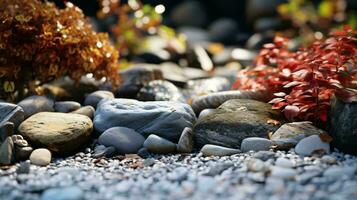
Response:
column 125, row 140
column 35, row 104
column 256, row 144
column 215, row 150
column 143, row 152
column 11, row 113
column 65, row 193
column 156, row 144
column 6, row 130
column 164, row 118
column 308, row 146
column 94, row 98
column 160, row 90
column 106, row 152
column 205, row 112
column 66, row 106
column 185, row 143
column 86, row 110
column 6, row 152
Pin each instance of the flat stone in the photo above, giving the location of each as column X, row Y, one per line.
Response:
column 284, row 162
column 94, row 98
column 256, row 144
column 156, row 144
column 185, row 143
column 289, row 134
column 310, row 145
column 6, row 130
column 66, row 193
column 6, row 152
column 164, row 118
column 125, row 140
column 86, row 110
column 62, row 133
column 35, row 104
column 234, row 121
column 11, row 113
column 66, row 106
column 214, row 150
column 40, row 157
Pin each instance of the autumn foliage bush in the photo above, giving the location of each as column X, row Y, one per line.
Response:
column 39, row 42
column 303, row 82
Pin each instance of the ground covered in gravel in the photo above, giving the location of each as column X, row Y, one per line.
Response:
column 252, row 175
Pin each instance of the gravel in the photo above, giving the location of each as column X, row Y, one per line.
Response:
column 185, row 176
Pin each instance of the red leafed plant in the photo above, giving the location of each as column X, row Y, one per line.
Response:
column 303, row 82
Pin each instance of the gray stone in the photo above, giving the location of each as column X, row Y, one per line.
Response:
column 310, row 145
column 6, row 152
column 185, row 143
column 125, row 140
column 339, row 172
column 6, row 130
column 23, row 168
column 143, row 152
column 40, row 157
column 35, row 104
column 23, row 153
column 234, row 121
column 289, row 134
column 66, row 106
column 205, row 112
column 104, row 152
column 86, row 110
column 66, row 193
column 156, row 144
column 94, row 98
column 149, row 162
column 62, row 133
column 257, row 165
column 329, row 159
column 11, row 113
column 165, row 119
column 343, row 126
column 214, row 150
column 283, row 173
column 255, row 144
column 208, row 85
column 189, row 13
column 160, row 90
column 284, row 162
column 223, row 30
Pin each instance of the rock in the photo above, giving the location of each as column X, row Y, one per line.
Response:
column 208, row 85
column 223, row 30
column 150, row 57
column 11, row 113
column 35, row 104
column 125, row 140
column 21, row 143
column 283, row 173
column 104, row 152
column 310, row 145
column 66, row 106
column 40, row 157
column 268, row 24
column 185, row 144
column 234, row 121
column 6, row 130
column 165, row 119
column 261, row 8
column 143, row 153
column 189, row 13
column 255, row 144
column 94, row 98
column 6, row 152
column 329, row 159
column 62, row 133
column 214, row 150
column 86, row 110
column 216, row 99
column 149, row 162
column 289, row 134
column 156, row 144
column 343, row 126
column 160, row 90
column 66, row 193
column 284, row 162
column 264, row 155
column 258, row 40
column 24, row 168
column 205, row 112
column 194, row 35
column 23, row 153
column 134, row 78
column 243, row 56
column 339, row 172
column 257, row 165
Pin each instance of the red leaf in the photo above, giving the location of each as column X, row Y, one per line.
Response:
column 279, row 105
column 279, row 94
column 276, row 100
column 292, row 84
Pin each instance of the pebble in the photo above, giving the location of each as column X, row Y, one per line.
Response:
column 160, row 90
column 205, row 112
column 256, row 144
column 329, row 159
column 157, row 144
column 215, row 150
column 104, row 152
column 310, row 145
column 35, row 104
column 23, row 168
column 143, row 153
column 23, row 153
column 125, row 140
column 284, row 162
column 283, row 173
column 66, row 106
column 185, row 143
column 337, row 172
column 257, row 165
column 66, row 193
column 86, row 110
column 40, row 157
column 149, row 162
column 94, row 98
column 6, row 151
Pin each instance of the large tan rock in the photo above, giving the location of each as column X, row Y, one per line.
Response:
column 62, row 133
